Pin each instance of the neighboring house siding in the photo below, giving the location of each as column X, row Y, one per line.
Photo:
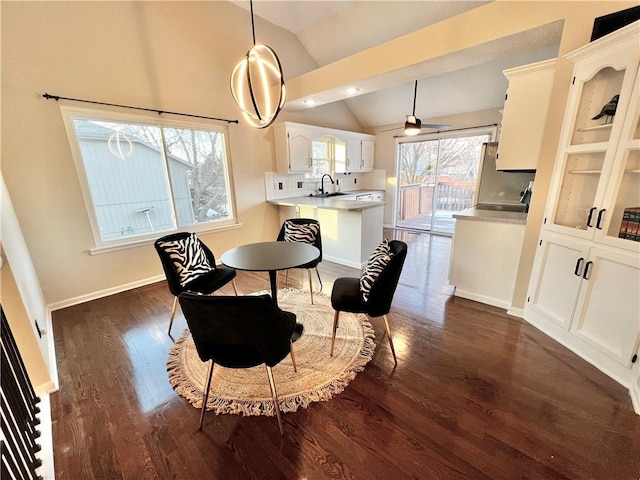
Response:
column 123, row 188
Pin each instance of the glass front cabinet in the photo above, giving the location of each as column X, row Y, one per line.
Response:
column 585, row 283
column 597, row 176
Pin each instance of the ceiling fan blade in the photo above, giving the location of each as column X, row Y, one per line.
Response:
column 391, row 129
column 436, row 126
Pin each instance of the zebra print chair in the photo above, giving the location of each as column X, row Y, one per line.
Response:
column 372, row 293
column 190, row 266
column 303, row 230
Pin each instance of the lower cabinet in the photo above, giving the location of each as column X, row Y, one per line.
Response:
column 484, row 260
column 587, row 297
column 608, row 309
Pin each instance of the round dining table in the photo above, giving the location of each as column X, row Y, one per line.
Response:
column 271, row 257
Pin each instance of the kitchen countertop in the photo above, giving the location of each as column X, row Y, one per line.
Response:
column 331, row 203
column 496, row 216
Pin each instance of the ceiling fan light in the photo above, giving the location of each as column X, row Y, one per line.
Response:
column 412, row 126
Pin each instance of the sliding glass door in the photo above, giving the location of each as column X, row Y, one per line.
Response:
column 436, row 178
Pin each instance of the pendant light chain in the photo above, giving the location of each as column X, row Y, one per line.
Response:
column 253, row 28
column 415, row 94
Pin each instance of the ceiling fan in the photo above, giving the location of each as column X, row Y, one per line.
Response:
column 413, row 125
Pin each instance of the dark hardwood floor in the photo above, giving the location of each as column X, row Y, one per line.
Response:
column 477, row 394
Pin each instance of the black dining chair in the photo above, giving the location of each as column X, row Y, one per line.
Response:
column 304, row 230
column 239, row 332
column 372, row 293
column 190, row 265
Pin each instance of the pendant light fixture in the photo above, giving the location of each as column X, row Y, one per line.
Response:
column 257, row 83
column 413, row 125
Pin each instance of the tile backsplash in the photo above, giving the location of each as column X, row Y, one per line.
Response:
column 279, row 186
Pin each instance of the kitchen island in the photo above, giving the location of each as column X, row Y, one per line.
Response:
column 350, row 228
column 485, row 255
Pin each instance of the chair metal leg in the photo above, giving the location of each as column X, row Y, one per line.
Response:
column 286, row 277
column 235, row 287
column 335, row 327
column 206, row 396
column 319, row 279
column 393, row 350
column 173, row 313
column 310, row 285
column 293, row 357
column 274, row 395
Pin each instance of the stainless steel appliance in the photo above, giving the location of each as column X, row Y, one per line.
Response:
column 500, row 190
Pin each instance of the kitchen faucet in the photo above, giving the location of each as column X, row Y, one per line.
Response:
column 322, row 182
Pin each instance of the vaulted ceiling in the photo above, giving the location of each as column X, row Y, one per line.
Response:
column 465, row 82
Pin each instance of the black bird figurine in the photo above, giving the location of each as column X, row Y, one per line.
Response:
column 609, row 110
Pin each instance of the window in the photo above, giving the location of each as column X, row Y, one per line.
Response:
column 437, row 177
column 143, row 178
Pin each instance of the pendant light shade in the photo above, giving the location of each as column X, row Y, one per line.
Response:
column 257, row 84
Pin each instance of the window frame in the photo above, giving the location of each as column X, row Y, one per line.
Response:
column 70, row 113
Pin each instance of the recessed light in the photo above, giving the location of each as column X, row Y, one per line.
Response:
column 351, row 90
column 310, row 101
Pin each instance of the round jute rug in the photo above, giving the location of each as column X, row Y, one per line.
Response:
column 319, row 376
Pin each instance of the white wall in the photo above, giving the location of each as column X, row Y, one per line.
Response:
column 172, row 56
column 23, row 302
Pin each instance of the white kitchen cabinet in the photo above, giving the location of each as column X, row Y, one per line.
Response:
column 590, row 291
column 293, row 145
column 597, row 172
column 359, row 155
column 296, row 146
column 608, row 308
column 525, row 115
column 585, row 280
column 556, row 278
column 366, row 155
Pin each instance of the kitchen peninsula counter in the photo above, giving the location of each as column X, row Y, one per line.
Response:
column 350, row 228
column 345, row 202
column 496, row 216
column 485, row 255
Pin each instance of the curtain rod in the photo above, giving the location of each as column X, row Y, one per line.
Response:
column 452, row 130
column 159, row 112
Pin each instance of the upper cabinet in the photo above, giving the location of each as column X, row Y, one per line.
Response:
column 293, row 148
column 596, row 181
column 358, row 154
column 525, row 115
column 317, row 150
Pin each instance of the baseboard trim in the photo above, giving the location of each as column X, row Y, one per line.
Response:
column 516, row 312
column 70, row 302
column 496, row 302
column 342, row 261
column 634, row 391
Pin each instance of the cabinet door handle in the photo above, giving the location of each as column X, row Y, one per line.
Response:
column 591, row 210
column 576, row 272
column 587, row 265
column 600, row 214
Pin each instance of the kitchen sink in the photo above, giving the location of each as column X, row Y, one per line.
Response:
column 325, row 195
